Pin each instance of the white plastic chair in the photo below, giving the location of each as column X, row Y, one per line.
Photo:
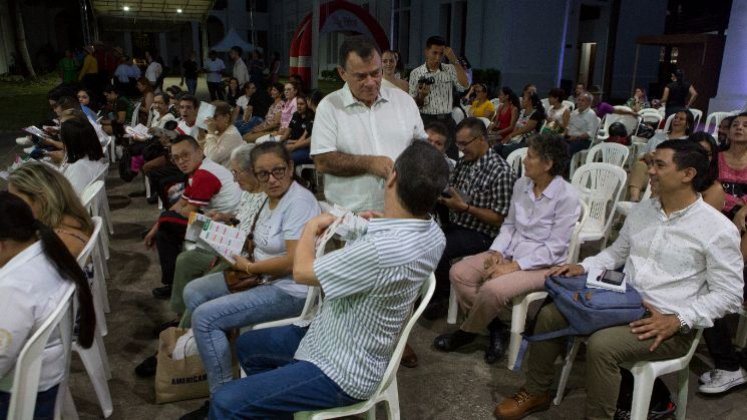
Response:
column 715, row 118
column 457, row 114
column 135, row 112
column 644, row 374
column 570, row 105
column 387, row 390
column 27, row 372
column 600, row 186
column 95, row 359
column 496, row 103
column 516, row 160
column 624, row 207
column 485, row 121
column 612, row 153
column 309, row 311
column 630, row 122
column 520, row 304
column 90, row 200
column 580, row 156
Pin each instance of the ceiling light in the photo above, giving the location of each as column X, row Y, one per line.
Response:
column 126, row 8
column 178, row 10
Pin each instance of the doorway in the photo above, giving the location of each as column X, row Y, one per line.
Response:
column 586, row 62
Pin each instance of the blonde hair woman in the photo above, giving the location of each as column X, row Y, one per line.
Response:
column 53, row 202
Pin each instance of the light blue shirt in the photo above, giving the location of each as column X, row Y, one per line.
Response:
column 537, row 230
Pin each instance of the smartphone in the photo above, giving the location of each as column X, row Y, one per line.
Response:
column 614, row 278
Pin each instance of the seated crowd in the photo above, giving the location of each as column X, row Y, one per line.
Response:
column 435, row 197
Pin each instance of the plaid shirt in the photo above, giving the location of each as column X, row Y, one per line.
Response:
column 487, row 182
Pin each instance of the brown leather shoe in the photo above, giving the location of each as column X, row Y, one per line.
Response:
column 520, row 405
column 409, row 358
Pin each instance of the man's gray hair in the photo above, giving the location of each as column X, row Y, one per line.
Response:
column 242, row 156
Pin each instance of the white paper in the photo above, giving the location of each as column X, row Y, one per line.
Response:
column 35, row 131
column 139, row 131
column 225, row 240
column 206, row 111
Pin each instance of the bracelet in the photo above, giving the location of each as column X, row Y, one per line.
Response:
column 247, row 268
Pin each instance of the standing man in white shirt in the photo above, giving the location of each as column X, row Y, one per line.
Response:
column 214, row 67
column 432, row 84
column 680, row 254
column 153, row 71
column 240, row 71
column 361, row 129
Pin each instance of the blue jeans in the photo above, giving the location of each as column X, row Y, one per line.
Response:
column 246, row 126
column 191, row 85
column 215, row 311
column 301, row 156
column 45, row 402
column 276, row 385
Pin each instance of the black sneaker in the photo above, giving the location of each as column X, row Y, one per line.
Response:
column 199, row 414
column 163, row 292
column 654, row 413
column 147, row 368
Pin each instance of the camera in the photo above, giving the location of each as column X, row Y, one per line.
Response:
column 426, row 81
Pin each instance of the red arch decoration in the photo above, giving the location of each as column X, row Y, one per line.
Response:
column 300, row 48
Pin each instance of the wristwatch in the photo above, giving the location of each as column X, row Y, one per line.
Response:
column 684, row 328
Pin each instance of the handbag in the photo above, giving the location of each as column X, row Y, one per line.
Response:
column 586, row 309
column 178, row 380
column 238, row 280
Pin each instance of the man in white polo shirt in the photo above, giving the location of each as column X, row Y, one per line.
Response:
column 360, row 130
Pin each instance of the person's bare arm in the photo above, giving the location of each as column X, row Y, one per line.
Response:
column 693, row 95
column 665, row 95
column 343, row 164
column 512, row 125
column 461, row 74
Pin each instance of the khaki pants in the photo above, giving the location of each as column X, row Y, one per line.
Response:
column 484, row 301
column 605, row 350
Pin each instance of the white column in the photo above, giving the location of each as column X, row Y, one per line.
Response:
column 128, row 43
column 732, row 84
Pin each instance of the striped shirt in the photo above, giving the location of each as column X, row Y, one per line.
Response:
column 370, row 286
column 440, row 99
column 488, row 183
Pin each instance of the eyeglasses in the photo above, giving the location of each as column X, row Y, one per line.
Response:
column 277, row 173
column 182, row 157
column 462, row 145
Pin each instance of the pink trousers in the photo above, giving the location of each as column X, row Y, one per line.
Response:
column 483, row 301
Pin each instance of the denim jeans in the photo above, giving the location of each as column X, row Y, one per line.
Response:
column 215, row 311
column 191, row 86
column 301, row 156
column 246, row 126
column 276, row 385
column 45, row 402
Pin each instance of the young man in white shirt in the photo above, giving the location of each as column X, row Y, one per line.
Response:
column 680, row 254
column 214, row 67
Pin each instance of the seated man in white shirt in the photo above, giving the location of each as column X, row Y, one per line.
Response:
column 680, row 254
column 582, row 126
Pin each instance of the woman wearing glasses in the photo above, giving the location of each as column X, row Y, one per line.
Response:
column 215, row 310
column 480, row 106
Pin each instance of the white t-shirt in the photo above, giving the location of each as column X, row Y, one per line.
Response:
column 240, row 71
column 82, row 172
column 214, row 67
column 30, row 290
column 344, row 124
column 212, row 187
column 153, row 72
column 284, row 223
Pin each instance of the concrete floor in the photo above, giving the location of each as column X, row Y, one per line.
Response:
column 445, row 386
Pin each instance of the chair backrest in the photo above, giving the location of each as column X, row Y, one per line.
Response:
column 485, row 121
column 426, row 292
column 574, row 247
column 545, row 103
column 496, row 103
column 649, row 111
column 516, row 160
column 652, row 118
column 28, row 365
column 697, row 114
column 600, row 185
column 457, row 114
column 570, row 105
column 613, row 153
column 715, row 118
column 630, row 122
column 90, row 193
column 85, row 254
column 135, row 112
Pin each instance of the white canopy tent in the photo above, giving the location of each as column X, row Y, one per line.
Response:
column 231, row 39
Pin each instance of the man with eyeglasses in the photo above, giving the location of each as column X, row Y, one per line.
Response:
column 478, row 199
column 361, row 129
column 209, row 187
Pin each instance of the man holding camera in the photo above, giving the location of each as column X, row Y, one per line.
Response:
column 432, row 83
